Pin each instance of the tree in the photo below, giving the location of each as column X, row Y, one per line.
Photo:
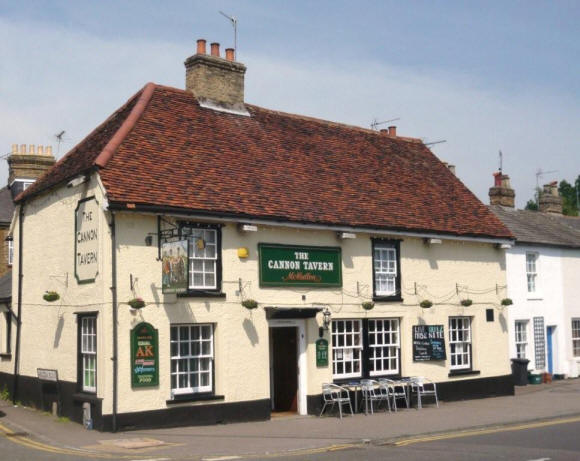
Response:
column 532, row 205
column 570, row 198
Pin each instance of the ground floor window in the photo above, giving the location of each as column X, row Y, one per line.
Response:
column 576, row 337
column 369, row 347
column 88, row 353
column 521, row 327
column 192, row 358
column 460, row 342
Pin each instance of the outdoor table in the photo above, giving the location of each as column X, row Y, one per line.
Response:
column 354, row 386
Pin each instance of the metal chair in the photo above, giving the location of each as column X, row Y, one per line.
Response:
column 332, row 395
column 424, row 388
column 396, row 390
column 369, row 394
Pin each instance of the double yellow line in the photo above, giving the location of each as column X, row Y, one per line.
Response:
column 483, row 431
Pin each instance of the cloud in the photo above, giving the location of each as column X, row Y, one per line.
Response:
column 61, row 79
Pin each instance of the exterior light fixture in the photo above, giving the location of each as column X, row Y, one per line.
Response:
column 149, row 240
column 432, row 241
column 505, row 246
column 200, row 243
column 247, row 227
column 345, row 235
column 326, row 318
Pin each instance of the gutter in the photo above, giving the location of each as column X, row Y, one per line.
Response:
column 19, row 316
column 115, row 340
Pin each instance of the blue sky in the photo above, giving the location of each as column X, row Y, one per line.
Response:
column 484, row 76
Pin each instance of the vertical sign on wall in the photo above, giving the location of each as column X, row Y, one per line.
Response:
column 539, row 343
column 321, row 352
column 144, row 356
column 87, row 240
column 174, row 266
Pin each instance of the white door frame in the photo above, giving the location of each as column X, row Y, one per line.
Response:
column 301, row 326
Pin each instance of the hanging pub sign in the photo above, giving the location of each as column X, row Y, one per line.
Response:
column 428, row 343
column 174, row 266
column 144, row 356
column 87, row 240
column 300, row 265
column 321, row 352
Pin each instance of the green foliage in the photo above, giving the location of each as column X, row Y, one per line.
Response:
column 569, row 198
column 4, row 394
column 532, row 205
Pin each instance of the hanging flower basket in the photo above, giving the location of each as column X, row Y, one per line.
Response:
column 506, row 302
column 466, row 302
column 368, row 305
column 136, row 303
column 426, row 304
column 250, row 303
column 51, row 296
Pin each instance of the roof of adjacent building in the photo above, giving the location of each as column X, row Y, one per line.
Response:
column 535, row 227
column 161, row 150
column 6, row 206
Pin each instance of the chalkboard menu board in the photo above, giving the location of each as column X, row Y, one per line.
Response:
column 428, row 343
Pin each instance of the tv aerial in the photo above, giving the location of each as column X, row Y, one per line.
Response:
column 59, row 139
column 375, row 123
column 234, row 22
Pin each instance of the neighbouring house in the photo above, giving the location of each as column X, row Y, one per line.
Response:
column 197, row 259
column 542, row 274
column 25, row 165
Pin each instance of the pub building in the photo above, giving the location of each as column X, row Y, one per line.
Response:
column 197, row 259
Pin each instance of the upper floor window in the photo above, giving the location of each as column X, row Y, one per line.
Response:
column 460, row 342
column 386, row 269
column 531, row 271
column 521, row 338
column 204, row 257
column 576, row 337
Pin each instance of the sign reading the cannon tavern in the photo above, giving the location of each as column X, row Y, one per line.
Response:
column 87, row 240
column 300, row 265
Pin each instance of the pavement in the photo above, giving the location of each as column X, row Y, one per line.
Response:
column 293, row 434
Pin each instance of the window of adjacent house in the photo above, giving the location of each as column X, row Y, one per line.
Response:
column 576, row 337
column 191, row 358
column 531, row 271
column 383, row 337
column 5, row 333
column 521, row 338
column 460, row 342
column 10, row 252
column 203, row 257
column 88, row 353
column 386, row 268
column 346, row 348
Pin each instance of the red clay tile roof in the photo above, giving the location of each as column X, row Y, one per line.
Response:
column 273, row 165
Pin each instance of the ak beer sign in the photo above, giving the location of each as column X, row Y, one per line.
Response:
column 87, row 240
column 144, row 356
column 300, row 265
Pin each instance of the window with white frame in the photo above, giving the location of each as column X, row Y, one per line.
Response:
column 531, row 271
column 460, row 342
column 521, row 327
column 203, row 257
column 88, row 353
column 384, row 346
column 346, row 348
column 385, row 268
column 191, row 358
column 576, row 337
column 10, row 252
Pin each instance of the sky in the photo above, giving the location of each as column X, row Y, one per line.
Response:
column 483, row 76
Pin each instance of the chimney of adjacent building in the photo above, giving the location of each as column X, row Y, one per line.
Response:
column 29, row 163
column 502, row 193
column 216, row 82
column 550, row 200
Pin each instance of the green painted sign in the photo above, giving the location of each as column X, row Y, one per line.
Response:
column 300, row 265
column 144, row 356
column 321, row 352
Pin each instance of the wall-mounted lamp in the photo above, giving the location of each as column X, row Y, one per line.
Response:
column 247, row 227
column 504, row 246
column 149, row 240
column 432, row 241
column 326, row 318
column 345, row 235
column 243, row 252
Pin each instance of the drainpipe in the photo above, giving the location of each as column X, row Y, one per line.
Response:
column 19, row 316
column 114, row 293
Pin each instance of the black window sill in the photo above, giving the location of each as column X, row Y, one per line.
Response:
column 184, row 398
column 6, row 356
column 201, row 294
column 86, row 397
column 381, row 299
column 463, row 373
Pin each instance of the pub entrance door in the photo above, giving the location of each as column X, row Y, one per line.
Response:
column 284, row 368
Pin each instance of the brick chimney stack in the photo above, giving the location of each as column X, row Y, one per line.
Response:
column 216, row 82
column 502, row 193
column 550, row 200
column 29, row 164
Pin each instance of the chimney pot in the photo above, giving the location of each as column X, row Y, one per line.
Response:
column 393, row 131
column 229, row 54
column 502, row 193
column 22, row 149
column 201, row 46
column 215, row 49
column 39, row 151
column 451, row 168
column 384, row 132
column 48, row 150
column 14, row 149
column 31, row 149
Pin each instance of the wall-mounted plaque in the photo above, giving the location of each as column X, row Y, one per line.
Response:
column 428, row 343
column 87, row 240
column 321, row 352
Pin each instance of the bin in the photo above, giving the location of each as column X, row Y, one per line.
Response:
column 535, row 378
column 520, row 371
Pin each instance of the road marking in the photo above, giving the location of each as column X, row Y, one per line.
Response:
column 483, row 431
